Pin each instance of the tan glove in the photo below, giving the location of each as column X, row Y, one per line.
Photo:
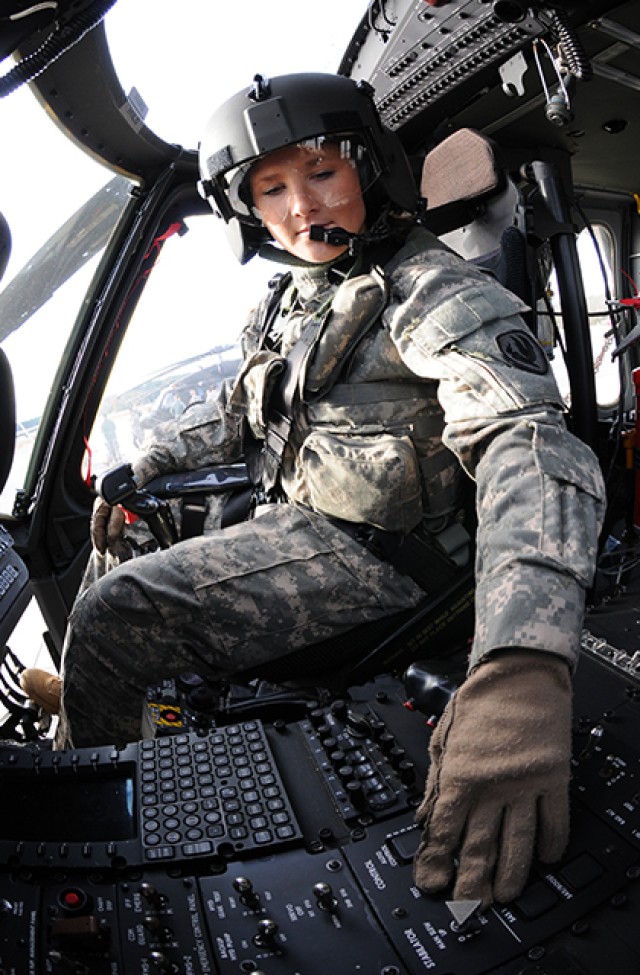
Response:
column 498, row 785
column 107, row 525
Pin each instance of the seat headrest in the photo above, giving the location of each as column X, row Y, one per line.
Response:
column 459, row 174
column 464, row 166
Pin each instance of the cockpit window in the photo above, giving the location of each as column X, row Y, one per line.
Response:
column 61, row 215
column 179, row 74
column 182, row 341
column 597, row 258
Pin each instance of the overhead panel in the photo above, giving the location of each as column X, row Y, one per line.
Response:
column 416, row 54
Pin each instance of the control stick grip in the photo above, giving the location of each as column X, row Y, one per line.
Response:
column 118, row 486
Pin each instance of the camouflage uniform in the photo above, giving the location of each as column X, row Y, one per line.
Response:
column 441, row 369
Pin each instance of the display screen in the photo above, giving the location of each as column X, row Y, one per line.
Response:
column 79, row 807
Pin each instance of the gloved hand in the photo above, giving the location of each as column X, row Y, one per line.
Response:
column 107, row 525
column 498, row 785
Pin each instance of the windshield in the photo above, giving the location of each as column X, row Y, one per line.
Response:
column 62, row 206
column 61, row 216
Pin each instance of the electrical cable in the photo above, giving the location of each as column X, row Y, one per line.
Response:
column 36, row 9
column 547, row 93
column 383, row 33
column 558, row 105
column 577, row 60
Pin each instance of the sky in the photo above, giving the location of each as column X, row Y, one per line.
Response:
column 225, row 45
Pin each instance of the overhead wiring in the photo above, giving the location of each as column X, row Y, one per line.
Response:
column 373, row 14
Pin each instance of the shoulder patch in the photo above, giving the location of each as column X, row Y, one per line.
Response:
column 521, row 350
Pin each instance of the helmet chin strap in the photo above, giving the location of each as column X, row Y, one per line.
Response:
column 336, row 237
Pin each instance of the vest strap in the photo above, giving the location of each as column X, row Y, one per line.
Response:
column 280, row 417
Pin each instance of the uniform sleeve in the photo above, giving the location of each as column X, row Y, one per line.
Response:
column 540, row 494
column 205, row 434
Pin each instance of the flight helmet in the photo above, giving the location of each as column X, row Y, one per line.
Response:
column 297, row 109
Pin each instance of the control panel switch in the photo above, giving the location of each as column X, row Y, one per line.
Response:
column 248, row 896
column 324, row 897
column 266, row 934
column 463, row 913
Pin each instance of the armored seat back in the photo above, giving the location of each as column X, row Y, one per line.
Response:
column 474, row 206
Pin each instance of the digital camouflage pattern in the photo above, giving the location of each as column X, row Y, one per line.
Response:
column 225, row 602
column 449, row 368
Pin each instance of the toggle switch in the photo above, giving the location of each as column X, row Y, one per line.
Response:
column 324, row 897
column 153, row 896
column 247, row 894
column 266, row 934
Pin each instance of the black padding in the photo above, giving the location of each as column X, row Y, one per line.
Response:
column 5, row 244
column 7, row 391
column 7, row 419
column 509, row 263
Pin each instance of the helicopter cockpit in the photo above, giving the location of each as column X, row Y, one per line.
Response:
column 121, row 308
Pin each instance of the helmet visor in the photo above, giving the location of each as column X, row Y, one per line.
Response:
column 327, row 172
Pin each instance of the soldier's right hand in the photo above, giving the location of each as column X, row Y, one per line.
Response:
column 107, row 525
column 498, row 785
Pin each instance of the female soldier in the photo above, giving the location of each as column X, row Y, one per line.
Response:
column 376, row 370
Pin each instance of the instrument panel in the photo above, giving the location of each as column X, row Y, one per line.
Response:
column 281, row 842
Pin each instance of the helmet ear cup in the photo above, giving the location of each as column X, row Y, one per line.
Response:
column 244, row 240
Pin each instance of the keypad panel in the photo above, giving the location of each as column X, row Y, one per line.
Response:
column 217, row 794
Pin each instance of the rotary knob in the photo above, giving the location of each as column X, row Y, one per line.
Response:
column 355, row 793
column 406, row 772
column 346, row 773
column 163, row 963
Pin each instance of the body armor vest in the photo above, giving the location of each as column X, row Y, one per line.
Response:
column 362, row 442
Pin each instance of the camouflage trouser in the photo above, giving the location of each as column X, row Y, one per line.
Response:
column 214, row 605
